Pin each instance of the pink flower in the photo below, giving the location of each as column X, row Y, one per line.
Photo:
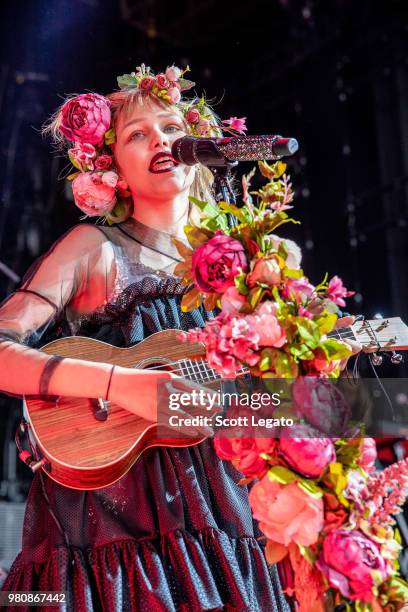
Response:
column 286, row 513
column 297, row 289
column 232, row 300
column 265, row 270
column 268, row 329
column 203, row 127
column 103, row 162
column 308, row 456
column 92, row 196
column 173, row 73
column 236, row 124
column 356, row 488
column 294, row 254
column 147, row 83
column 244, row 452
column 174, row 94
column 110, row 178
column 336, row 291
column 321, row 404
column 193, row 116
column 162, row 81
column 83, row 154
column 267, row 307
column 85, row 118
column 348, row 560
column 216, row 262
column 368, row 455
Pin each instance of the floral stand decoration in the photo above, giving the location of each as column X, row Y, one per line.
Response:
column 326, row 513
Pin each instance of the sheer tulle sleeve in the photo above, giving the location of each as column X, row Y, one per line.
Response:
column 73, row 278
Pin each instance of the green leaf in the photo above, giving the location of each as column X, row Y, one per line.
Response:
column 127, row 80
column 255, row 295
column 326, row 321
column 309, row 331
column 282, row 251
column 110, row 136
column 290, row 273
column 196, row 236
column 310, row 487
column 239, row 280
column 239, row 213
column 301, row 351
column 281, row 474
column 185, row 84
column 335, row 350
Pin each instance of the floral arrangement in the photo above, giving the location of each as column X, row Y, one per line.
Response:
column 326, row 514
column 85, row 121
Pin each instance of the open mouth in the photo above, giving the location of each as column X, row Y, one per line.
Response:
column 162, row 162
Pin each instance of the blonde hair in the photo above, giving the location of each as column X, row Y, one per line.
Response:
column 123, row 102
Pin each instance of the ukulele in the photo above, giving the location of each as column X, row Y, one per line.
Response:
column 89, row 444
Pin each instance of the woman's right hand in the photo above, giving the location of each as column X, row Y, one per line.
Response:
column 138, row 391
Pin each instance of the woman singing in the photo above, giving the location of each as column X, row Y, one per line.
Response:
column 176, row 532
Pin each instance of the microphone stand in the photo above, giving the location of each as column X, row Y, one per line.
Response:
column 222, row 188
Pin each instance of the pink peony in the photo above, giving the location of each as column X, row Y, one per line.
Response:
column 348, row 560
column 232, row 300
column 147, row 83
column 103, row 162
column 267, row 307
column 236, row 124
column 193, row 116
column 286, row 513
column 321, row 403
column 265, row 270
column 308, row 456
column 244, row 452
column 173, row 73
column 336, row 291
column 162, row 81
column 294, row 254
column 203, row 127
column 83, row 154
column 85, row 118
column 368, row 455
column 174, row 94
column 216, row 263
column 92, row 196
column 268, row 329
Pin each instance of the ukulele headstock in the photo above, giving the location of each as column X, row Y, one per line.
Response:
column 381, row 334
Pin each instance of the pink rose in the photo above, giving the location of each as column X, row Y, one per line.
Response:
column 368, row 455
column 336, row 291
column 173, row 73
column 321, row 403
column 294, row 254
column 110, row 178
column 232, row 300
column 244, row 453
column 92, row 196
column 268, row 329
column 193, row 116
column 266, row 270
column 175, row 95
column 203, row 127
column 103, row 162
column 162, row 81
column 286, row 513
column 308, row 456
column 348, row 560
column 83, row 154
column 216, row 263
column 147, row 83
column 266, row 308
column 85, row 118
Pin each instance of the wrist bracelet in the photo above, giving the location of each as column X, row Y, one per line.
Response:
column 47, row 372
column 109, row 383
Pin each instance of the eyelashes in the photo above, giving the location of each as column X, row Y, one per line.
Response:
column 139, row 134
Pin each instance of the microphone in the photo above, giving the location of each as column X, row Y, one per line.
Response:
column 219, row 151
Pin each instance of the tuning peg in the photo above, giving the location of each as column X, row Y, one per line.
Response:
column 376, row 359
column 396, row 358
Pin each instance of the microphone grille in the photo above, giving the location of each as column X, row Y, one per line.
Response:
column 254, row 148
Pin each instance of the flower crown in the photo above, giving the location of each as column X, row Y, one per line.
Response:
column 86, row 121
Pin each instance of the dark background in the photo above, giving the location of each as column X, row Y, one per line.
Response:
column 332, row 73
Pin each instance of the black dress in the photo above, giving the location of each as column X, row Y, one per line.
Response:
column 176, row 532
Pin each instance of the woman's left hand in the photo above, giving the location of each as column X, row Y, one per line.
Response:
column 352, row 344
